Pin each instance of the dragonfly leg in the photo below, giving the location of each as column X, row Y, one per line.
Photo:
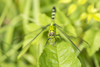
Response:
column 47, row 41
column 55, row 40
column 59, row 36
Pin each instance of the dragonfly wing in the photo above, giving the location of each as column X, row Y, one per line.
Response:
column 85, row 42
column 28, row 45
column 72, row 43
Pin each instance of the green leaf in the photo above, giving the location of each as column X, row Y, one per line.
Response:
column 60, row 55
column 93, row 38
column 26, row 13
column 83, row 16
column 96, row 16
column 23, row 51
column 65, row 1
column 72, row 8
column 81, row 2
column 61, row 18
column 96, row 43
column 98, row 4
column 10, row 31
column 42, row 21
column 96, row 61
column 89, row 17
column 91, row 9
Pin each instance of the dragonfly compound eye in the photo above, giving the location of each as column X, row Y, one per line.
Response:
column 52, row 33
column 49, row 34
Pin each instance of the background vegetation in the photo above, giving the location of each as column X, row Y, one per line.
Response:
column 21, row 20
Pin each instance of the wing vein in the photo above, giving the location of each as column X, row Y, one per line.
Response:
column 72, row 43
column 37, row 34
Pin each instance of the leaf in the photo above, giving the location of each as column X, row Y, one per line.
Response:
column 64, row 22
column 98, row 4
column 97, row 17
column 10, row 31
column 89, row 17
column 61, row 18
column 96, row 61
column 65, row 1
column 44, row 19
column 22, row 52
column 60, row 55
column 93, row 38
column 70, row 30
column 96, row 44
column 30, row 58
column 91, row 9
column 72, row 8
column 81, row 2
column 83, row 16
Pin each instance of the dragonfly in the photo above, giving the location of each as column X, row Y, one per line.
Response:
column 52, row 35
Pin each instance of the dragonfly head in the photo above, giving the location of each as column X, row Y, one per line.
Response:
column 52, row 30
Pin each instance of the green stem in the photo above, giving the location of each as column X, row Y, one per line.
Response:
column 95, row 61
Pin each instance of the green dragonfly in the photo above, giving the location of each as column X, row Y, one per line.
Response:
column 52, row 35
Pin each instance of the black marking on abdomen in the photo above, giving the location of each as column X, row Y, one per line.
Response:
column 53, row 18
column 54, row 9
column 53, row 13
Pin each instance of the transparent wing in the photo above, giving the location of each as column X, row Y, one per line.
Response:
column 17, row 39
column 77, row 38
column 25, row 48
column 64, row 33
column 16, row 46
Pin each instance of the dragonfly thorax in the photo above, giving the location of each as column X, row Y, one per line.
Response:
column 52, row 30
column 51, row 36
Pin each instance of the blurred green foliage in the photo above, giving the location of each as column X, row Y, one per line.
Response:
column 22, row 20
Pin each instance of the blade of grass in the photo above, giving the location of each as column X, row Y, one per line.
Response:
column 5, row 11
column 36, row 11
column 26, row 13
column 96, row 61
column 10, row 31
column 36, row 17
column 11, row 52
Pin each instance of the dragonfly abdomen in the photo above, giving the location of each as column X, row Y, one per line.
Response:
column 53, row 13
